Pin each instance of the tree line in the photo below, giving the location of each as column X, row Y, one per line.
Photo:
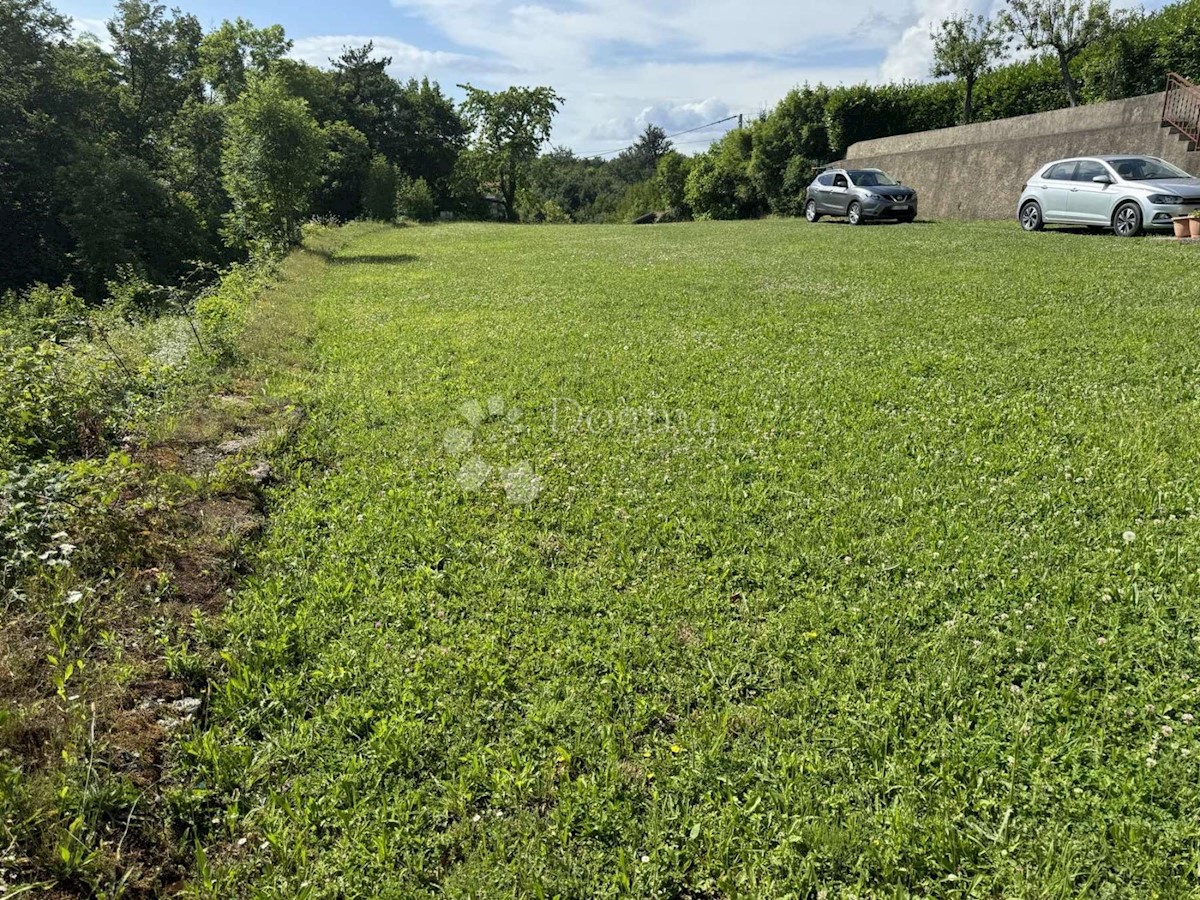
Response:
column 169, row 152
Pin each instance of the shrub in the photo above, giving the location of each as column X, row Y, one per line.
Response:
column 379, row 193
column 553, row 214
column 719, row 185
column 414, row 200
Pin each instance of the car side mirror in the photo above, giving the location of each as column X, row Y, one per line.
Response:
column 1102, row 179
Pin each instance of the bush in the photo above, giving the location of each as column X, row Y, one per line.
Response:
column 414, row 200
column 719, row 185
column 553, row 214
column 379, row 194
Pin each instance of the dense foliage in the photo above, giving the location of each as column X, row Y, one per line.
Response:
column 180, row 146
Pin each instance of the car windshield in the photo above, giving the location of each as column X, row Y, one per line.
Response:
column 1145, row 168
column 872, row 179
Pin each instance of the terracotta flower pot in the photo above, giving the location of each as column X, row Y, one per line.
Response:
column 1194, row 225
column 1183, row 229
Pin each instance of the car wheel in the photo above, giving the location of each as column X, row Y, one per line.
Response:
column 1031, row 217
column 1127, row 222
column 810, row 212
column 855, row 213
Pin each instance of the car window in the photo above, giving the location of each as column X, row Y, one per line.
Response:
column 1146, row 168
column 1061, row 172
column 1088, row 170
column 826, row 180
column 871, row 178
column 840, row 181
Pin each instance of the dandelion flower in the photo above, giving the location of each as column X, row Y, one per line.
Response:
column 1129, row 537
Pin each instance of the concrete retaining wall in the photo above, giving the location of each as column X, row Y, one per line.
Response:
column 978, row 171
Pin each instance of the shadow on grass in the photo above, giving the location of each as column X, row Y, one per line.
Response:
column 370, row 259
column 381, row 259
column 875, row 223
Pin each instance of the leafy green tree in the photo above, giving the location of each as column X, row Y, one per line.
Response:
column 720, row 186
column 640, row 162
column 414, row 200
column 368, row 96
column 966, row 47
column 1067, row 27
column 788, row 142
column 671, row 178
column 271, row 162
column 431, row 135
column 510, row 128
column 379, row 190
column 158, row 59
column 236, row 49
column 193, row 167
column 121, row 216
column 343, row 172
column 34, row 141
column 312, row 85
column 588, row 190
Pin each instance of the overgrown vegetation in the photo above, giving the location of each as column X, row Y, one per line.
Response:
column 181, row 146
column 121, row 518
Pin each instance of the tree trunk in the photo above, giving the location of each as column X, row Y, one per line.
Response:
column 967, row 110
column 1068, row 80
column 508, row 190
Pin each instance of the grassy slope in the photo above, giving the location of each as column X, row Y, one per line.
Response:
column 871, row 619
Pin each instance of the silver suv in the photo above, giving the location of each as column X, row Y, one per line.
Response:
column 859, row 195
column 1126, row 194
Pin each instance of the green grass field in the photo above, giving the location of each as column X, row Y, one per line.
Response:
column 725, row 560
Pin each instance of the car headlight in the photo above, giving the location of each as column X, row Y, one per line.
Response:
column 1166, row 200
column 872, row 196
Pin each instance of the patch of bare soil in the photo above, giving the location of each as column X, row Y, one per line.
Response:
column 197, row 505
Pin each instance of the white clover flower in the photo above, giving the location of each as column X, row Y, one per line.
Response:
column 1129, row 537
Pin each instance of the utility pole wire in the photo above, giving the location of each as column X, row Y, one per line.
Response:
column 668, row 137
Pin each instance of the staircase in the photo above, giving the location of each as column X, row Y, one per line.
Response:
column 1181, row 109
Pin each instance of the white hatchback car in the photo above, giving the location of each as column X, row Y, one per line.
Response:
column 1127, row 194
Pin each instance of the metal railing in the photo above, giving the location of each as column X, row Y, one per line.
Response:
column 1181, row 107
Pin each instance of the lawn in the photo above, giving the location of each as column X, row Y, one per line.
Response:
column 721, row 560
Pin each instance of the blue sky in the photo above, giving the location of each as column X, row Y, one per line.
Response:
column 621, row 64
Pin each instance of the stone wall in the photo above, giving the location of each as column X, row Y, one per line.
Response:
column 978, row 171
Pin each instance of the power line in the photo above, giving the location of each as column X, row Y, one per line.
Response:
column 668, row 137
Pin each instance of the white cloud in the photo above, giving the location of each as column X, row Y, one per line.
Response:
column 407, row 60
column 96, row 28
column 911, row 57
column 622, row 64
